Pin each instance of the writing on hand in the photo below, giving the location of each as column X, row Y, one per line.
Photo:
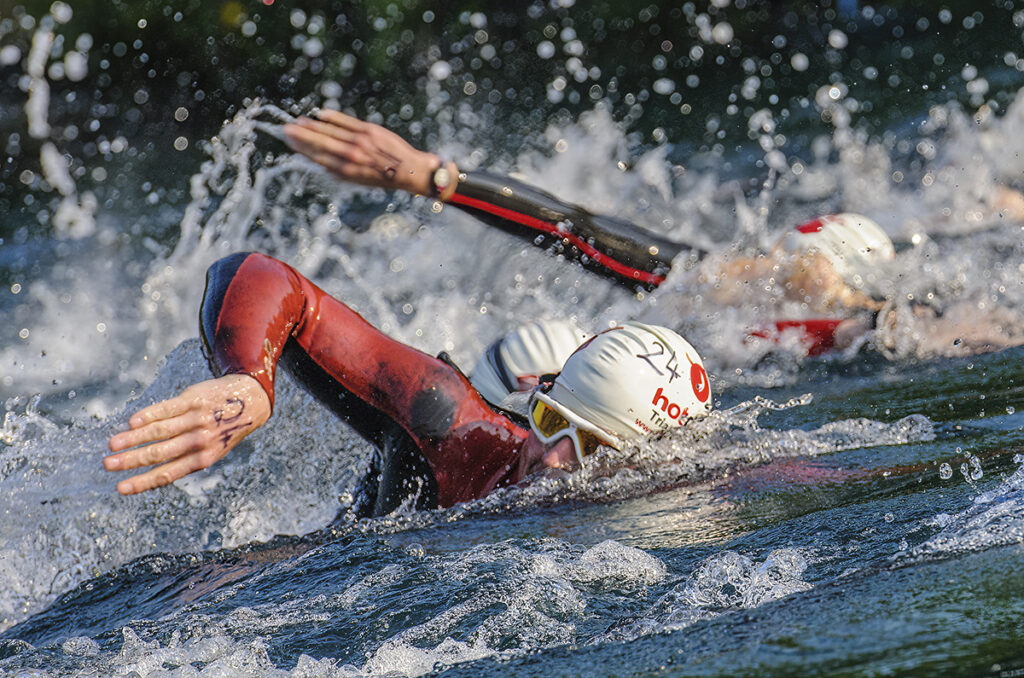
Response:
column 232, row 410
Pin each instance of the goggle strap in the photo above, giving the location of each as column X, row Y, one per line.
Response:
column 508, row 380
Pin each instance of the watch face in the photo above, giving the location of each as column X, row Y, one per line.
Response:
column 442, row 177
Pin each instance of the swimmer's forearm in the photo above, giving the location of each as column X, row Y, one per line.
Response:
column 368, row 154
column 615, row 245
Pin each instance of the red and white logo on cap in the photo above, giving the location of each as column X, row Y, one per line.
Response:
column 699, row 381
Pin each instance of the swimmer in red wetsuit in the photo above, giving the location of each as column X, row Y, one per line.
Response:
column 441, row 442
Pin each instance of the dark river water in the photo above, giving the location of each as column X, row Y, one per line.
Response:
column 859, row 513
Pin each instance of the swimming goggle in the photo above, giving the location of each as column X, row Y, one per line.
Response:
column 550, row 424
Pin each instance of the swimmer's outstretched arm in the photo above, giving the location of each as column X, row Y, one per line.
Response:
column 189, row 432
column 369, row 154
column 365, row 153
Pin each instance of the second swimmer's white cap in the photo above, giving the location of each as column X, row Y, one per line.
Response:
column 632, row 380
column 853, row 244
column 531, row 350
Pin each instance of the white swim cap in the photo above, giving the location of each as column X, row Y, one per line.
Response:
column 632, row 380
column 531, row 350
column 853, row 244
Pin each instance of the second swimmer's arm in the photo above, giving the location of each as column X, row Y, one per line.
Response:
column 369, row 154
column 365, row 153
column 614, row 245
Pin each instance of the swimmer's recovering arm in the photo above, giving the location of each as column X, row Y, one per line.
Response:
column 258, row 311
column 369, row 154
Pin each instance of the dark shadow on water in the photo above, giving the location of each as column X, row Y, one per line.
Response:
column 151, row 587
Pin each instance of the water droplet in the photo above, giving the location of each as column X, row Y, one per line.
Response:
column 945, row 471
column 837, row 39
column 889, row 517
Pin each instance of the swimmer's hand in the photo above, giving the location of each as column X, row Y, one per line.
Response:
column 362, row 152
column 189, row 432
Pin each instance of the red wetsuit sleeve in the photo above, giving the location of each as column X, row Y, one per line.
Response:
column 818, row 334
column 470, row 448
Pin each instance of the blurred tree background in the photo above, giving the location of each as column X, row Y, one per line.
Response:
column 691, row 73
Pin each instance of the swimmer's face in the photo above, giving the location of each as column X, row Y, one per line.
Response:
column 537, row 456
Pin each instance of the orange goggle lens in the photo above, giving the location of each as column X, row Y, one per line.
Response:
column 549, row 425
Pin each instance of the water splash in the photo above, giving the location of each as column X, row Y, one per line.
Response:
column 724, row 582
column 72, row 526
column 704, row 450
column 74, row 216
column 995, row 518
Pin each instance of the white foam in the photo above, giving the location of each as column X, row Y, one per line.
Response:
column 723, row 582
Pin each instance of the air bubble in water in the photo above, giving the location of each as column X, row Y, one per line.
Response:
column 945, row 471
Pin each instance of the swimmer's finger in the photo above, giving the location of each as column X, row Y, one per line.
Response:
column 165, row 409
column 167, row 473
column 345, row 160
column 342, row 120
column 314, row 133
column 333, row 131
column 316, row 145
column 157, row 453
column 161, row 429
